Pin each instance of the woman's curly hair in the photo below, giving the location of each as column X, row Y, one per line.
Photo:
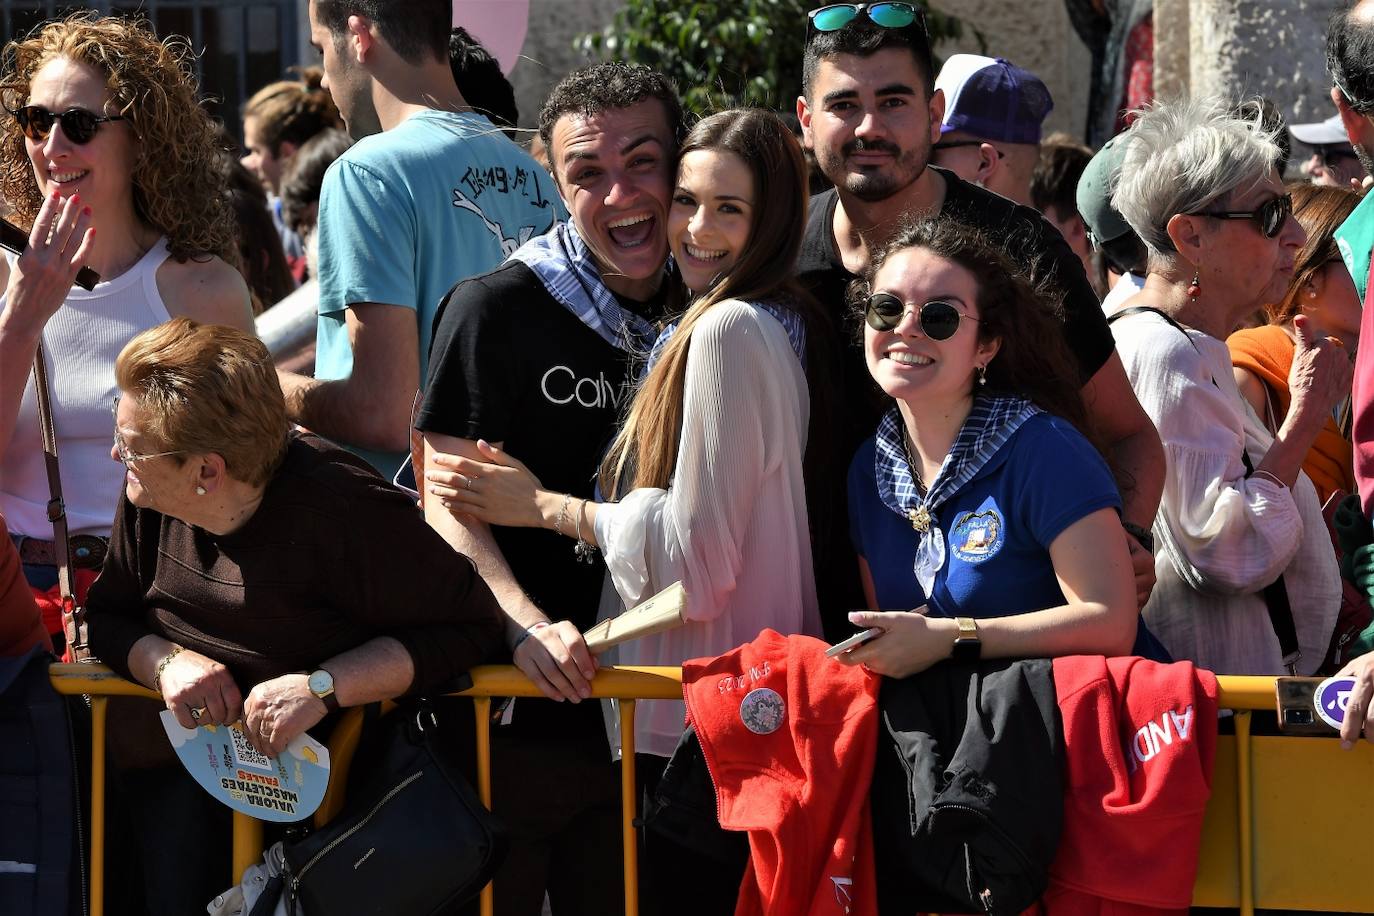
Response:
column 1034, row 361
column 179, row 185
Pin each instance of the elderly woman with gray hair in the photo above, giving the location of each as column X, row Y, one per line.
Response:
column 1247, row 579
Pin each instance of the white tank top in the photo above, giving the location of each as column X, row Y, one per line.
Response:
column 81, row 342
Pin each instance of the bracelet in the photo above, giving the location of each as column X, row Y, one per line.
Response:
column 1143, row 536
column 562, row 514
column 1270, row 477
column 584, row 550
column 162, row 666
column 529, row 631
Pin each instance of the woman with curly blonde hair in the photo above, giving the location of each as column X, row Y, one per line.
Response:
column 107, row 158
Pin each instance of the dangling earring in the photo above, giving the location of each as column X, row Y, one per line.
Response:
column 200, row 491
column 1195, row 288
column 983, row 374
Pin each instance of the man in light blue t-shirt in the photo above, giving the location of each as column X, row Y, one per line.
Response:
column 430, row 194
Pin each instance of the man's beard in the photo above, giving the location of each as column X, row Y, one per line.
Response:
column 875, row 185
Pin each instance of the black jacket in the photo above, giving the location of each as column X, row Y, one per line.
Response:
column 967, row 792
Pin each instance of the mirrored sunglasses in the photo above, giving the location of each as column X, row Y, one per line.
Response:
column 939, row 320
column 836, row 16
column 78, row 124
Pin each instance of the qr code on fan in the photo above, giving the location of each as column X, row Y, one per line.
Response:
column 245, row 755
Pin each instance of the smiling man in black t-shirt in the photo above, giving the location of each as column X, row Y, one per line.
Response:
column 538, row 357
column 870, row 113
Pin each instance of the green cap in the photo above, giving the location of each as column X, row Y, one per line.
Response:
column 1095, row 192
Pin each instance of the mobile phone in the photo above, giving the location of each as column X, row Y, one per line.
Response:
column 857, row 639
column 1312, row 705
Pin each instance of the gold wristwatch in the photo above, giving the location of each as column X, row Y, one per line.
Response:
column 968, row 647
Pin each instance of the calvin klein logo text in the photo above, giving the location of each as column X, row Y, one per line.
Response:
column 561, row 385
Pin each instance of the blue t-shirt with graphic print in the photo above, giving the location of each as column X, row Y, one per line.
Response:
column 998, row 528
column 407, row 213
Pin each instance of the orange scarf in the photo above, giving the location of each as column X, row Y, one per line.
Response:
column 1267, row 353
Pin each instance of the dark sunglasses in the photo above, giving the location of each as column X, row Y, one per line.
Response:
column 78, row 124
column 1269, row 216
column 1331, row 154
column 939, row 319
column 836, row 16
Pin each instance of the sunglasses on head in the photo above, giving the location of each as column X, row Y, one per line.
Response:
column 836, row 16
column 939, row 319
column 78, row 124
column 1268, row 216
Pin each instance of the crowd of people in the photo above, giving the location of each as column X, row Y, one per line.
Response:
column 990, row 395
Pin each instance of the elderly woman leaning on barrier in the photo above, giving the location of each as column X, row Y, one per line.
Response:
column 1239, row 529
column 980, row 498
column 258, row 574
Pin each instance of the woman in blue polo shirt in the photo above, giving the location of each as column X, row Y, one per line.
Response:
column 1015, row 549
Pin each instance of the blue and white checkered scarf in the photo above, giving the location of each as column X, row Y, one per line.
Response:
column 790, row 320
column 564, row 264
column 988, row 427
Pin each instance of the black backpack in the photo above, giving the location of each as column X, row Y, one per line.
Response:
column 42, row 863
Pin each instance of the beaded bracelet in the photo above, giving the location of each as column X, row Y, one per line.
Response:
column 162, row 666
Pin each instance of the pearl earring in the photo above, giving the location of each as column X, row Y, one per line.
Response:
column 200, row 491
column 983, row 374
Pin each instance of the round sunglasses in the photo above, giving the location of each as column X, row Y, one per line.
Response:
column 836, row 16
column 939, row 319
column 78, row 124
column 1268, row 216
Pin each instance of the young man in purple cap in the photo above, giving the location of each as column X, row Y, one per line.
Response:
column 990, row 134
column 870, row 112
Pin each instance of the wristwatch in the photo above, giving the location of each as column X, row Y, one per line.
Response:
column 321, row 684
column 967, row 646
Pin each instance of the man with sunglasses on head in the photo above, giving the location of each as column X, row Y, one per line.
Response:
column 870, row 112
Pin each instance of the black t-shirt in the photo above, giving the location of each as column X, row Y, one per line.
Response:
column 1027, row 238
column 1024, row 236
column 510, row 364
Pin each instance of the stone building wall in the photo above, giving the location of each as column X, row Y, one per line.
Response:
column 1274, row 48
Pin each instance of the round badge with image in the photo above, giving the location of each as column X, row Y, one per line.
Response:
column 1331, row 698
column 762, row 711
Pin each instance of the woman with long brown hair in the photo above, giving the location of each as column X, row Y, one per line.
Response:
column 704, row 482
column 1321, row 289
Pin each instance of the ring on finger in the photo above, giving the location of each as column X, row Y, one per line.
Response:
column 196, row 712
column 467, row 483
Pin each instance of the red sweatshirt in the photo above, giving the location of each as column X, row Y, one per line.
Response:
column 1139, row 739
column 789, row 736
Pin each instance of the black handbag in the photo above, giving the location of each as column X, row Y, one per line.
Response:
column 413, row 839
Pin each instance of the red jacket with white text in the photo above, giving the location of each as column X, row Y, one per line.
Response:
column 1139, row 739
column 789, row 736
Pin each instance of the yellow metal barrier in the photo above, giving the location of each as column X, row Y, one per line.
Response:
column 1287, row 826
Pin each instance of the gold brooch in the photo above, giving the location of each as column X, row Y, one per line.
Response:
column 920, row 518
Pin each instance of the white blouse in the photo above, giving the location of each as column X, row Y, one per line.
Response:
column 732, row 525
column 1223, row 537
